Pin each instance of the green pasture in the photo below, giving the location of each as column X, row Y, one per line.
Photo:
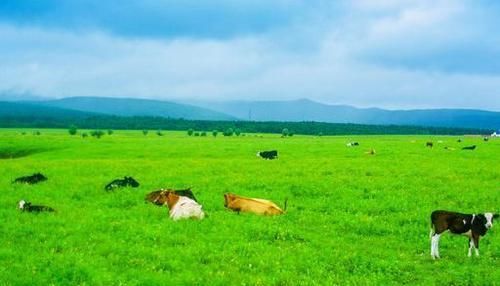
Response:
column 352, row 218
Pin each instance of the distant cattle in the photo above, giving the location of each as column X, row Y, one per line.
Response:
column 352, row 144
column 429, row 144
column 469, row 147
column 268, row 155
column 33, row 179
column 459, row 140
column 28, row 207
column 252, row 205
column 160, row 197
column 120, row 183
column 471, row 225
column 181, row 207
column 485, row 139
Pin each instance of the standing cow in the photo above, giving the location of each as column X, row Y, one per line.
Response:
column 268, row 155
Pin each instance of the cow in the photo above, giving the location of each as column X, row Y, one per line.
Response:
column 449, row 148
column 268, row 155
column 252, row 205
column 120, row 183
column 485, row 139
column 159, row 197
column 28, row 207
column 471, row 225
column 30, row 180
column 429, row 144
column 459, row 140
column 469, row 147
column 181, row 207
column 352, row 144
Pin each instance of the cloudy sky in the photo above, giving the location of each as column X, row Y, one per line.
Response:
column 384, row 53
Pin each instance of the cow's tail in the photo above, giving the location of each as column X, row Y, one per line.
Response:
column 285, row 205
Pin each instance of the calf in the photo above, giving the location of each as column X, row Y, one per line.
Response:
column 469, row 147
column 257, row 206
column 33, row 179
column 429, row 144
column 471, row 225
column 159, row 197
column 120, row 183
column 181, row 207
column 268, row 155
column 28, row 207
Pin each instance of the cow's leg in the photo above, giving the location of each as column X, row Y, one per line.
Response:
column 432, row 242
column 471, row 245
column 435, row 245
column 475, row 239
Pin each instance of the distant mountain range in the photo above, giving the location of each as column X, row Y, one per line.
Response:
column 296, row 110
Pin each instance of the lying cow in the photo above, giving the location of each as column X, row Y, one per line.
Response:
column 252, row 205
column 352, row 144
column 120, row 183
column 33, row 179
column 469, row 147
column 268, row 155
column 159, row 197
column 471, row 225
column 28, row 207
column 181, row 207
column 429, row 144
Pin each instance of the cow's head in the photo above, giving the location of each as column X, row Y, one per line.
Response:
column 258, row 154
column 131, row 182
column 170, row 197
column 22, row 204
column 489, row 219
column 228, row 198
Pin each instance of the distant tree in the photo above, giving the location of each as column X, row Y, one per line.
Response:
column 159, row 133
column 228, row 132
column 97, row 133
column 190, row 131
column 110, row 132
column 285, row 132
column 214, row 133
column 84, row 135
column 237, row 131
column 145, row 132
column 203, row 134
column 72, row 130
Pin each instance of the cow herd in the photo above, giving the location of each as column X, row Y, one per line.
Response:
column 182, row 204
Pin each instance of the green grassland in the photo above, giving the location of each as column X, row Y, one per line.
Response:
column 352, row 218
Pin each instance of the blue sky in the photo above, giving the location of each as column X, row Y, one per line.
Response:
column 383, row 53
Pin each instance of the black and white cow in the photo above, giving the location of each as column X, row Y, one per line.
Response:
column 471, row 225
column 352, row 144
column 469, row 147
column 120, row 183
column 429, row 144
column 268, row 155
column 33, row 179
column 28, row 207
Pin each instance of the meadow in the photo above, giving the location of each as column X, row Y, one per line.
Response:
column 352, row 218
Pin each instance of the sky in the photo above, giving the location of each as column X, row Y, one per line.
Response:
column 397, row 54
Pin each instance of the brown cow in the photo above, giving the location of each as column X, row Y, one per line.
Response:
column 181, row 207
column 159, row 197
column 252, row 205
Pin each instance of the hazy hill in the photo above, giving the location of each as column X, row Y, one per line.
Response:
column 136, row 107
column 307, row 110
column 32, row 110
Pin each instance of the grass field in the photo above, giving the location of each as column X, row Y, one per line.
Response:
column 352, row 218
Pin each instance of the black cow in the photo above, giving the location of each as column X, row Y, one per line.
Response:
column 268, row 155
column 159, row 197
column 429, row 144
column 120, row 183
column 469, row 147
column 485, row 139
column 33, row 179
column 28, row 207
column 471, row 225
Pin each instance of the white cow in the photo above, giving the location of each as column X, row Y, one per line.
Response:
column 181, row 207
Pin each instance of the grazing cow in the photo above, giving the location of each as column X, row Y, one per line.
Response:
column 28, row 207
column 268, row 155
column 429, row 144
column 469, row 147
column 33, row 179
column 181, row 207
column 471, row 225
column 459, row 140
column 159, row 197
column 352, row 144
column 120, row 183
column 252, row 205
